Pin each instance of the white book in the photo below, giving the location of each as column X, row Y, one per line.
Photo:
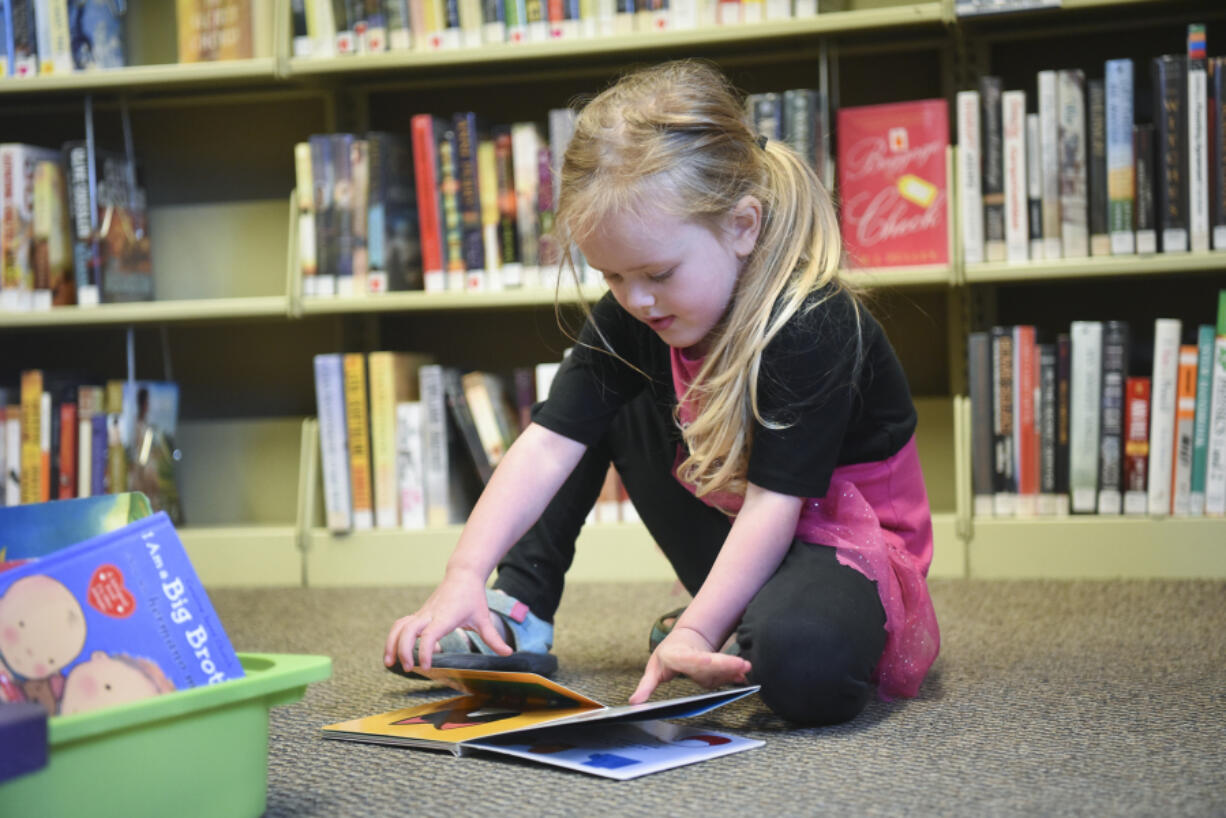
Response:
column 411, row 464
column 1121, row 159
column 1198, row 156
column 1049, row 156
column 1074, row 198
column 54, row 37
column 1163, row 386
column 12, row 469
column 806, row 8
column 544, row 378
column 1085, row 385
column 525, row 147
column 85, row 457
column 333, row 442
column 437, row 456
column 1215, row 468
column 1017, row 227
column 970, row 191
column 1034, row 186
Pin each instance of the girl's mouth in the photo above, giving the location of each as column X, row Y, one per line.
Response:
column 660, row 324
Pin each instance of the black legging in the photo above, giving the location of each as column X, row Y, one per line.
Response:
column 813, row 633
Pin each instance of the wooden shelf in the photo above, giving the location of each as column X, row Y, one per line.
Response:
column 1096, row 266
column 1098, row 547
column 170, row 76
column 152, row 312
column 244, row 556
column 424, row 301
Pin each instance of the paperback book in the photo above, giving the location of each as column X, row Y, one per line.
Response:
column 528, row 716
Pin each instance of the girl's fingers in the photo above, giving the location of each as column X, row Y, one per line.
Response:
column 490, row 635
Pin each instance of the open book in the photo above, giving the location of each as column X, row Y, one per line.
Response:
column 529, row 716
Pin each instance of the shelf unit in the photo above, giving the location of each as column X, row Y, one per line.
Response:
column 236, row 332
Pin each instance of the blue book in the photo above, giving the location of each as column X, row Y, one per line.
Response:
column 1205, row 336
column 6, row 39
column 96, row 28
column 1121, row 176
column 115, row 619
column 35, row 530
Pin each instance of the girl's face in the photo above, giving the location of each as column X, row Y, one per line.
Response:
column 675, row 276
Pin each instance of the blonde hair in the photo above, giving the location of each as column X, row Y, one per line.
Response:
column 675, row 138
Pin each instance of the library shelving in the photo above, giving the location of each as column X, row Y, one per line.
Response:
column 232, row 326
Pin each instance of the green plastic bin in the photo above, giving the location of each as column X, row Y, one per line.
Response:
column 202, row 751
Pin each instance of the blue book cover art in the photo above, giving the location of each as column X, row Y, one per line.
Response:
column 96, row 28
column 117, row 618
column 6, row 38
column 37, row 529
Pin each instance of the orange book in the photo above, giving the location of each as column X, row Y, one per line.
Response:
column 1185, row 421
column 1026, row 429
column 357, row 420
column 67, row 488
column 31, row 436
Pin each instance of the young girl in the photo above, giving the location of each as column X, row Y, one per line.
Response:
column 756, row 412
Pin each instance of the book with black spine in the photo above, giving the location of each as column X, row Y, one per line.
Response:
column 1096, row 99
column 992, row 164
column 1145, row 216
column 979, row 383
column 1170, row 88
column 1004, row 482
column 1116, row 348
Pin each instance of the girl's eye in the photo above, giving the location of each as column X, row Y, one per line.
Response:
column 661, row 276
column 612, row 278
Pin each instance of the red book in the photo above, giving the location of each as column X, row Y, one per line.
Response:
column 1025, row 424
column 425, row 169
column 67, row 488
column 893, row 183
column 1136, row 444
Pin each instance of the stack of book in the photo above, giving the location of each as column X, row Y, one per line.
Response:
column 47, row 37
column 1089, row 171
column 408, row 443
column 1065, row 426
column 73, row 228
column 64, row 437
column 325, row 28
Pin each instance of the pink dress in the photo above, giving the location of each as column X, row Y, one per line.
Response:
column 876, row 517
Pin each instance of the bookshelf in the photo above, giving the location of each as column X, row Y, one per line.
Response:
column 216, row 138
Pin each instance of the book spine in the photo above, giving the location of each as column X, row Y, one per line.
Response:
column 378, row 157
column 1047, row 430
column 1074, row 224
column 305, row 199
column 1084, row 408
column 333, row 444
column 970, row 193
column 1215, row 467
column 429, row 215
column 991, row 132
column 85, row 456
column 1136, row 445
column 67, row 472
column 1025, row 420
column 301, row 42
column 1145, row 218
column 508, row 229
column 1034, row 187
column 12, row 445
column 1049, row 155
column 525, row 143
column 99, row 456
column 1171, row 142
column 82, row 206
column 1064, row 379
column 31, row 436
column 359, row 168
column 800, row 123
column 23, row 56
column 1164, row 386
column 410, row 464
column 1217, row 152
column 1121, row 166
column 1200, row 431
column 1198, row 141
column 1111, row 450
column 1017, row 228
column 1096, row 98
column 326, row 244
column 449, row 192
column 1004, row 481
column 461, row 413
column 1185, row 422
column 437, row 454
column 357, row 425
column 344, row 206
column 472, row 236
column 381, row 368
column 979, row 382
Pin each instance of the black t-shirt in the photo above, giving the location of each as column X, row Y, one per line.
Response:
column 837, row 413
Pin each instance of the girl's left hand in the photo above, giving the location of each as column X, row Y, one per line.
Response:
column 687, row 652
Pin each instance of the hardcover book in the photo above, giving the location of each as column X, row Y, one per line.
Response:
column 970, row 189
column 117, row 618
column 1049, row 156
column 992, row 162
column 1004, row 455
column 893, row 183
column 1170, row 90
column 1085, row 407
column 1096, row 99
column 97, row 32
column 1111, row 450
column 1071, row 136
column 1136, row 445
column 1164, row 393
column 530, row 717
column 35, row 530
column 1121, row 170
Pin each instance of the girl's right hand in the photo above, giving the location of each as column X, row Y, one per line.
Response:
column 459, row 602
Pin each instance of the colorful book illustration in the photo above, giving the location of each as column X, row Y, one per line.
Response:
column 38, row 529
column 529, row 716
column 117, row 618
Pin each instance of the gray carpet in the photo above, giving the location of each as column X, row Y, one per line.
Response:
column 1049, row 698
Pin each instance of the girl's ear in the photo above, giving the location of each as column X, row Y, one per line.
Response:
column 744, row 225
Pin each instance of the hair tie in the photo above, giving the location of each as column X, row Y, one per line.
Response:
column 762, row 141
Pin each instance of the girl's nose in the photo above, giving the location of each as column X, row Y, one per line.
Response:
column 639, row 297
